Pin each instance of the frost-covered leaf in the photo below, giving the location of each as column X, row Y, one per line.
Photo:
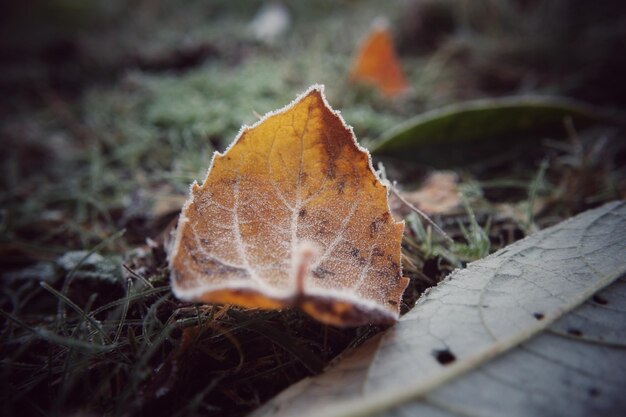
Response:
column 576, row 368
column 292, row 214
column 91, row 266
column 441, row 359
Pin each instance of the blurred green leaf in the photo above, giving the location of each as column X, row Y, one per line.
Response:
column 463, row 133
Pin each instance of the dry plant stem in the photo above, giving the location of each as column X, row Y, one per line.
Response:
column 420, row 213
column 137, row 276
column 571, row 130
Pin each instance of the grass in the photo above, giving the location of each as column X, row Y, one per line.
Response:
column 129, row 352
column 99, row 152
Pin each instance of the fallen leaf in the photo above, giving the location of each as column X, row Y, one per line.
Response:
column 438, row 194
column 91, row 266
column 558, row 357
column 292, row 214
column 518, row 212
column 376, row 63
column 468, row 133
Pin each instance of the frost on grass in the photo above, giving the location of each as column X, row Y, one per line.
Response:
column 296, row 178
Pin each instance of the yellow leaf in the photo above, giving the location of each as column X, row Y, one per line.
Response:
column 292, row 214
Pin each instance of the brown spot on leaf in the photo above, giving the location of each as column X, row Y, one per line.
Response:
column 341, row 184
column 322, row 273
column 377, row 224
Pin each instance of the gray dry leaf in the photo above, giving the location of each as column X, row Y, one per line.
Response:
column 91, row 266
column 494, row 339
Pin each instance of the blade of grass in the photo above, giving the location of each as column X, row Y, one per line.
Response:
column 71, row 366
column 138, row 373
column 118, row 333
column 313, row 363
column 134, row 297
column 270, row 371
column 151, row 319
column 56, row 339
column 139, row 277
column 83, row 315
column 191, row 408
column 533, row 190
column 70, row 275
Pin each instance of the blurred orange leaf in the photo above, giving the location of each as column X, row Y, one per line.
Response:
column 376, row 64
column 292, row 214
column 439, row 194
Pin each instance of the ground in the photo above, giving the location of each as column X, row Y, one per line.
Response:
column 109, row 110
